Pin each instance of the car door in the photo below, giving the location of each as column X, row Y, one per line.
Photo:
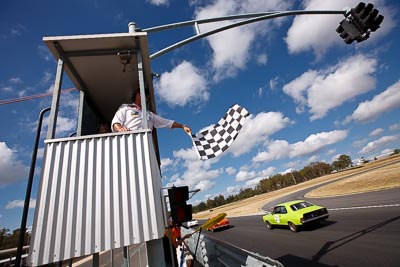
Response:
column 284, row 215
column 277, row 215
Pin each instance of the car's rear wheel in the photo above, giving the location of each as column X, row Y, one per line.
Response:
column 294, row 228
column 269, row 225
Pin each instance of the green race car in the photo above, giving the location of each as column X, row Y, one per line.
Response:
column 295, row 214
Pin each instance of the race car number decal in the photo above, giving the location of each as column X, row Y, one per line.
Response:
column 276, row 218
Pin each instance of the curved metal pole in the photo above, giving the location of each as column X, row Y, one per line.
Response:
column 29, row 190
column 201, row 21
column 244, row 22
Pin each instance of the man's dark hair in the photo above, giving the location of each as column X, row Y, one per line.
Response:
column 133, row 96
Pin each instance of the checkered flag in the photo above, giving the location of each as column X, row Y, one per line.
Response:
column 215, row 139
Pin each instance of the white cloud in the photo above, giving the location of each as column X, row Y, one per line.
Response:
column 11, row 169
column 273, row 83
column 293, row 164
column 233, row 190
column 260, row 91
column 244, row 176
column 378, row 144
column 16, row 80
column 360, row 143
column 315, row 142
column 227, row 60
column 7, row 89
column 21, row 93
column 297, row 88
column 166, row 163
column 287, row 171
column 67, row 115
column 262, row 59
column 280, row 149
column 394, row 127
column 326, row 89
column 198, row 174
column 20, row 204
column 370, row 110
column 251, row 179
column 183, row 85
column 66, row 119
column 311, row 32
column 44, row 52
column 253, row 182
column 47, row 78
column 14, row 32
column 256, row 131
column 65, row 126
column 40, row 153
column 317, row 32
column 11, row 83
column 70, row 103
column 267, row 172
column 230, row 170
column 158, row 2
column 331, row 151
column 276, row 150
column 205, row 185
column 336, row 157
column 376, row 132
column 313, row 158
column 387, row 151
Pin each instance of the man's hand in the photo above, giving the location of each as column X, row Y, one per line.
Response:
column 184, row 127
column 119, row 128
column 187, row 236
column 187, row 130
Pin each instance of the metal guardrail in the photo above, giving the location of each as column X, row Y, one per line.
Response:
column 136, row 255
column 211, row 252
column 9, row 255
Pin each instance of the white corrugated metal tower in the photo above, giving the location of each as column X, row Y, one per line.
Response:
column 99, row 191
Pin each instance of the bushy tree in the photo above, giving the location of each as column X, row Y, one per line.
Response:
column 4, row 236
column 342, row 163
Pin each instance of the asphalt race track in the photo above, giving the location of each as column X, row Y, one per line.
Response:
column 362, row 230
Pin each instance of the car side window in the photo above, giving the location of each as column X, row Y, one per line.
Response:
column 283, row 210
column 277, row 210
column 280, row 210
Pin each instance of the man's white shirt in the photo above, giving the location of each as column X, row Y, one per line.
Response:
column 130, row 116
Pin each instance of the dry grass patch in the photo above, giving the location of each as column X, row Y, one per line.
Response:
column 382, row 178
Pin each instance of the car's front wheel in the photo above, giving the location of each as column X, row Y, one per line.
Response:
column 294, row 228
column 269, row 225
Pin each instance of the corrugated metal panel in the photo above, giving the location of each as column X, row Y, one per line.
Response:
column 96, row 194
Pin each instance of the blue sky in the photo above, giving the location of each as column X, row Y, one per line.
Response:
column 311, row 96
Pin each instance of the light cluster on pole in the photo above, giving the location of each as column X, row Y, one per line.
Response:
column 359, row 23
column 180, row 210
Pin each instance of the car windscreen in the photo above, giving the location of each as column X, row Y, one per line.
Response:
column 300, row 205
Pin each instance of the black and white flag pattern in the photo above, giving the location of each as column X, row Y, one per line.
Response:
column 215, row 139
